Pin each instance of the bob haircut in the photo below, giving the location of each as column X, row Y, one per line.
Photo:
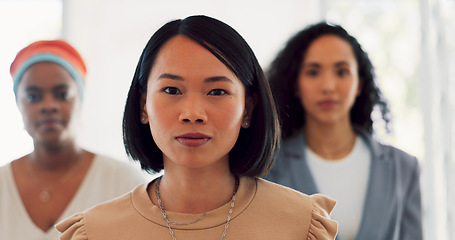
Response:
column 284, row 71
column 255, row 150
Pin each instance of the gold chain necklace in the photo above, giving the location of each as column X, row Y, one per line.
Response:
column 168, row 221
column 46, row 191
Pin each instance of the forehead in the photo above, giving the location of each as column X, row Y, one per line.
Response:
column 182, row 56
column 329, row 48
column 46, row 75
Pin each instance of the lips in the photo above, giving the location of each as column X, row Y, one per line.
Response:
column 50, row 123
column 193, row 139
column 327, row 104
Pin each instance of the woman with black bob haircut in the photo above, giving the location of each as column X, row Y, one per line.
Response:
column 200, row 109
column 324, row 85
column 256, row 147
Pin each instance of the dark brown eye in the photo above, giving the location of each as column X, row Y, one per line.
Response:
column 62, row 96
column 312, row 73
column 217, row 92
column 342, row 72
column 33, row 97
column 172, row 90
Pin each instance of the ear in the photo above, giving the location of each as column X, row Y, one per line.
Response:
column 250, row 103
column 144, row 119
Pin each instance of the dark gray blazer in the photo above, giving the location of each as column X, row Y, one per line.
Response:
column 392, row 208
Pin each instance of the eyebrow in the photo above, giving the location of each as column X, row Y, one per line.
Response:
column 33, row 89
column 218, row 79
column 341, row 63
column 36, row 89
column 313, row 64
column 60, row 87
column 207, row 80
column 170, row 76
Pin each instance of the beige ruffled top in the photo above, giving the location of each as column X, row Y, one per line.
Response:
column 263, row 210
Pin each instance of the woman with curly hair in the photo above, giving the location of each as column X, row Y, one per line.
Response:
column 325, row 89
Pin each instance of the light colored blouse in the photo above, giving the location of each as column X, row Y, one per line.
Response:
column 263, row 210
column 346, row 181
column 106, row 179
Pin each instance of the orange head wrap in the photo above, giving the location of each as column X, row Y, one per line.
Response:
column 57, row 51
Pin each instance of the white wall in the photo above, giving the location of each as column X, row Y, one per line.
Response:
column 110, row 34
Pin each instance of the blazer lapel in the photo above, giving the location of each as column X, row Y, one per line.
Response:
column 379, row 193
column 300, row 174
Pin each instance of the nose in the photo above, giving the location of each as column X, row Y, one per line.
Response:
column 328, row 83
column 48, row 105
column 193, row 111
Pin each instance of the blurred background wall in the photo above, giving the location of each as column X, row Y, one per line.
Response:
column 411, row 44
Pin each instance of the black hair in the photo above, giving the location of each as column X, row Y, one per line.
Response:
column 284, row 71
column 256, row 146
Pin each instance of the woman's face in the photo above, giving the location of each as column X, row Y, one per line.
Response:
column 48, row 99
column 328, row 81
column 195, row 105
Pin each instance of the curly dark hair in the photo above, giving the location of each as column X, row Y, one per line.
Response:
column 284, row 71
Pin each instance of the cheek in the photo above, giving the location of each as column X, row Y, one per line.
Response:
column 161, row 118
column 157, row 113
column 304, row 93
column 26, row 119
column 352, row 90
column 22, row 103
column 27, row 113
column 227, row 124
column 71, row 110
column 231, row 117
column 358, row 88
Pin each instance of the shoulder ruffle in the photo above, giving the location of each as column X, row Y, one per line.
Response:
column 72, row 228
column 322, row 227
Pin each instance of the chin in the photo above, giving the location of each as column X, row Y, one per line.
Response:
column 56, row 142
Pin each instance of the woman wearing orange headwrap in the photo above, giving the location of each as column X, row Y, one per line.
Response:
column 58, row 178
